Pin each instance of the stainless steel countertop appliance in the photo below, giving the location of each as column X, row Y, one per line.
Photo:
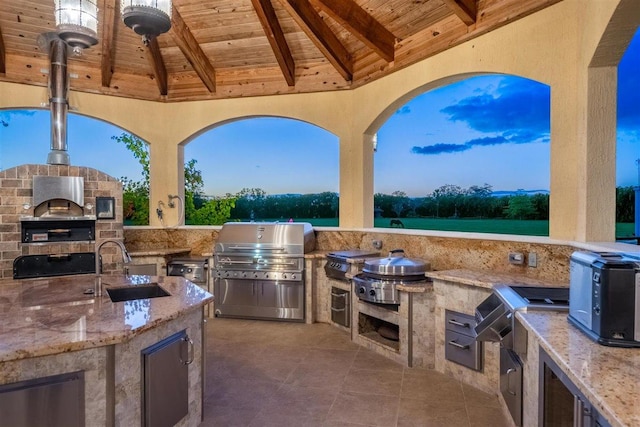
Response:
column 380, row 277
column 496, row 321
column 194, row 269
column 259, row 270
column 605, row 297
column 339, row 263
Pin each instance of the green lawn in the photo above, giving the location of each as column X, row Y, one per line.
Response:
column 498, row 226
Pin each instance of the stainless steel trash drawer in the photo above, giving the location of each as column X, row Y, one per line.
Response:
column 463, row 350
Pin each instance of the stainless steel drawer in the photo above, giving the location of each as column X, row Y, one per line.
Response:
column 460, row 322
column 463, row 350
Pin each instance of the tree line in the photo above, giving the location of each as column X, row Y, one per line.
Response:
column 447, row 201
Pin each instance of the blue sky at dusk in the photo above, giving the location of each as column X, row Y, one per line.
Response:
column 490, row 129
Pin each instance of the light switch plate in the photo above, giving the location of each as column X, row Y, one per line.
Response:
column 533, row 259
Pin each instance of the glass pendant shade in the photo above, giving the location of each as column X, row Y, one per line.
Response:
column 77, row 22
column 147, row 17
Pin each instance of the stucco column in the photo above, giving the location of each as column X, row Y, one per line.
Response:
column 356, row 181
column 166, row 162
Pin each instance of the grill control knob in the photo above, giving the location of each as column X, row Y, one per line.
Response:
column 293, row 276
column 361, row 291
column 372, row 293
column 255, row 275
column 284, row 276
column 244, row 274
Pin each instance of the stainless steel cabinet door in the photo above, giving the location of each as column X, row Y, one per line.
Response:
column 230, row 292
column 166, row 381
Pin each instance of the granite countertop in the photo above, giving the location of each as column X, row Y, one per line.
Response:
column 609, row 377
column 487, row 279
column 159, row 252
column 49, row 316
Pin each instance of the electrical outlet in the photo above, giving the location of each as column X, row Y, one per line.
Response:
column 532, row 259
column 516, row 258
column 377, row 244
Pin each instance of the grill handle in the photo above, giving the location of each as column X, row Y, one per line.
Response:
column 253, row 248
column 228, row 261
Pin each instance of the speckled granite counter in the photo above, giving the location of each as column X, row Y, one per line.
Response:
column 49, row 316
column 159, row 252
column 609, row 377
column 50, row 327
column 487, row 279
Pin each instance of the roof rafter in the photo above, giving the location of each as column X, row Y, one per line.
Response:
column 466, row 10
column 3, row 53
column 108, row 24
column 273, row 31
column 319, row 32
column 362, row 25
column 190, row 48
column 157, row 64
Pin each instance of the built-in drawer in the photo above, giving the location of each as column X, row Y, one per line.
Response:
column 463, row 350
column 460, row 322
column 460, row 342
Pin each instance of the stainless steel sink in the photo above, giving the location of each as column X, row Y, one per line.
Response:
column 129, row 293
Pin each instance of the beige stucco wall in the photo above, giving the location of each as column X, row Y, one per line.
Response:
column 554, row 46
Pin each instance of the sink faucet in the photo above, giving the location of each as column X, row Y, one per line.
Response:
column 125, row 258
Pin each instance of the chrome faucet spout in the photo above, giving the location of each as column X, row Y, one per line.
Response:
column 126, row 258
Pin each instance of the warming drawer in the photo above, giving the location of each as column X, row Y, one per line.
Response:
column 53, row 231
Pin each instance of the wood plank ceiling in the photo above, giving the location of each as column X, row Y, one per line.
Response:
column 239, row 48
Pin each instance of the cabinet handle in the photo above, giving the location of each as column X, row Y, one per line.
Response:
column 580, row 412
column 455, row 322
column 190, row 352
column 509, row 372
column 458, row 345
column 338, row 309
column 59, row 231
column 344, row 295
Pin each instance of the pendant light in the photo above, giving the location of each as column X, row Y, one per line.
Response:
column 149, row 18
column 77, row 22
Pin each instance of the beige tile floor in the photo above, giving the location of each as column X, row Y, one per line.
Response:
column 263, row 373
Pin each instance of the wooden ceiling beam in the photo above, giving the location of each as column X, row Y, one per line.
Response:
column 3, row 54
column 190, row 48
column 108, row 23
column 157, row 65
column 273, row 31
column 362, row 25
column 319, row 32
column 466, row 10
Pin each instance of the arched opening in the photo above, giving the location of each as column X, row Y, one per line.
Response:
column 262, row 169
column 472, row 155
column 628, row 145
column 25, row 136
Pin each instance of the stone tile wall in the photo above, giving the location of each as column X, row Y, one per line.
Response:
column 443, row 253
column 16, row 191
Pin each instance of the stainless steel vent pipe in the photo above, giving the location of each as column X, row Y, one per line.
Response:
column 58, row 101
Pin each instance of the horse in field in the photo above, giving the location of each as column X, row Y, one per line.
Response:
column 396, row 223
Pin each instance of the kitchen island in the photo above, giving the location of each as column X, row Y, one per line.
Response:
column 51, row 327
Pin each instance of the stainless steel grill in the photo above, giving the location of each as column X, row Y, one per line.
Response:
column 259, row 270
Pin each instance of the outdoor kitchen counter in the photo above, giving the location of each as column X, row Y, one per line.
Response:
column 159, row 252
column 487, row 279
column 609, row 377
column 50, row 316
